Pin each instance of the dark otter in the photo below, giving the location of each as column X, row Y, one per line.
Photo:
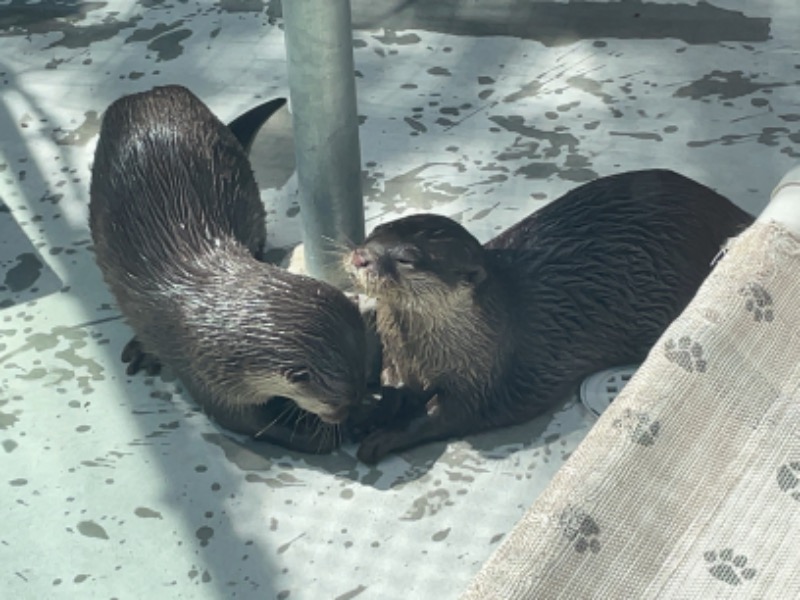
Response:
column 177, row 224
column 498, row 334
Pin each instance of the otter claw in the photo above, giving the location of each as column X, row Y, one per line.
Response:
column 139, row 359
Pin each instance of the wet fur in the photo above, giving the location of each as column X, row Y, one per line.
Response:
column 501, row 333
column 177, row 224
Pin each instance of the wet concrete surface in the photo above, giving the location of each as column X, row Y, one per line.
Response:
column 118, row 486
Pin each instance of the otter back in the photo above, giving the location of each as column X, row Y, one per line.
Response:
column 588, row 282
column 177, row 225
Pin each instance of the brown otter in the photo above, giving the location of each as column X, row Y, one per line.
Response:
column 498, row 334
column 178, row 224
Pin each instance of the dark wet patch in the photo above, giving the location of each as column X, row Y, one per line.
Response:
column 82, row 134
column 24, row 274
column 485, row 212
column 537, row 170
column 538, row 144
column 591, row 86
column 284, row 547
column 22, row 18
column 639, row 136
column 391, row 37
column 145, row 34
column 282, row 480
column 428, row 505
column 725, row 85
column 415, row 125
column 168, row 46
column 768, row 136
column 356, row 591
column 204, row 534
column 240, row 455
column 558, row 141
column 557, row 23
column 234, row 6
column 411, row 188
column 576, row 169
column 92, row 529
column 147, row 513
column 527, row 90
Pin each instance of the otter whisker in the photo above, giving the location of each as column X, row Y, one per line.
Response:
column 321, row 433
column 345, row 245
column 286, row 409
column 299, row 420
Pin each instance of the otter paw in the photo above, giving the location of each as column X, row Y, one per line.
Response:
column 376, row 446
column 139, row 359
column 394, row 410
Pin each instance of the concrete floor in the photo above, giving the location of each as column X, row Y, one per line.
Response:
column 118, row 487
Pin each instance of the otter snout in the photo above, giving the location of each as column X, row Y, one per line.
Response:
column 334, row 416
column 361, row 258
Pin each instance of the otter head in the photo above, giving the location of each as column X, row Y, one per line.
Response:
column 418, row 259
column 312, row 348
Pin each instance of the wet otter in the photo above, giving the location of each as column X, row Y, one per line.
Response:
column 178, row 224
column 497, row 334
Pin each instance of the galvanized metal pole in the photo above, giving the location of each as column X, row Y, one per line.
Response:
column 319, row 47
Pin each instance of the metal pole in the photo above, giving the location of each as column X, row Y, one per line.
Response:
column 319, row 47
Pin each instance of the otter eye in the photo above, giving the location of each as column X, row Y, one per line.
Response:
column 297, row 374
column 406, row 255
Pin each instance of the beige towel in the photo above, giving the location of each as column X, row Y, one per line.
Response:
column 689, row 485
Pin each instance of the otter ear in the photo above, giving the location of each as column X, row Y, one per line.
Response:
column 475, row 276
column 297, row 374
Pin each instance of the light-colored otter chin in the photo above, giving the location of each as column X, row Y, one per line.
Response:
column 263, row 387
column 369, row 282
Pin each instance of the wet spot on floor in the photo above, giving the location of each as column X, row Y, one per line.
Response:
column 24, row 273
column 92, row 529
column 391, row 37
column 556, row 23
column 725, row 85
column 80, row 135
column 352, row 593
column 204, row 534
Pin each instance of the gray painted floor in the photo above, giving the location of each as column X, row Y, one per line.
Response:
column 117, row 487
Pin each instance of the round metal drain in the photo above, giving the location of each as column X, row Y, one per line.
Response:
column 599, row 390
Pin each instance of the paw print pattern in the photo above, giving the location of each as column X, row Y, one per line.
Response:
column 727, row 567
column 580, row 529
column 686, row 354
column 758, row 301
column 639, row 426
column 789, row 478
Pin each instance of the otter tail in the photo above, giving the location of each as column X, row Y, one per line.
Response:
column 247, row 125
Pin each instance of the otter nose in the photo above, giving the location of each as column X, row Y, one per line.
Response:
column 361, row 258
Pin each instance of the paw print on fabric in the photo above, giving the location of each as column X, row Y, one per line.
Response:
column 581, row 529
column 758, row 301
column 686, row 354
column 789, row 478
column 727, row 567
column 639, row 426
